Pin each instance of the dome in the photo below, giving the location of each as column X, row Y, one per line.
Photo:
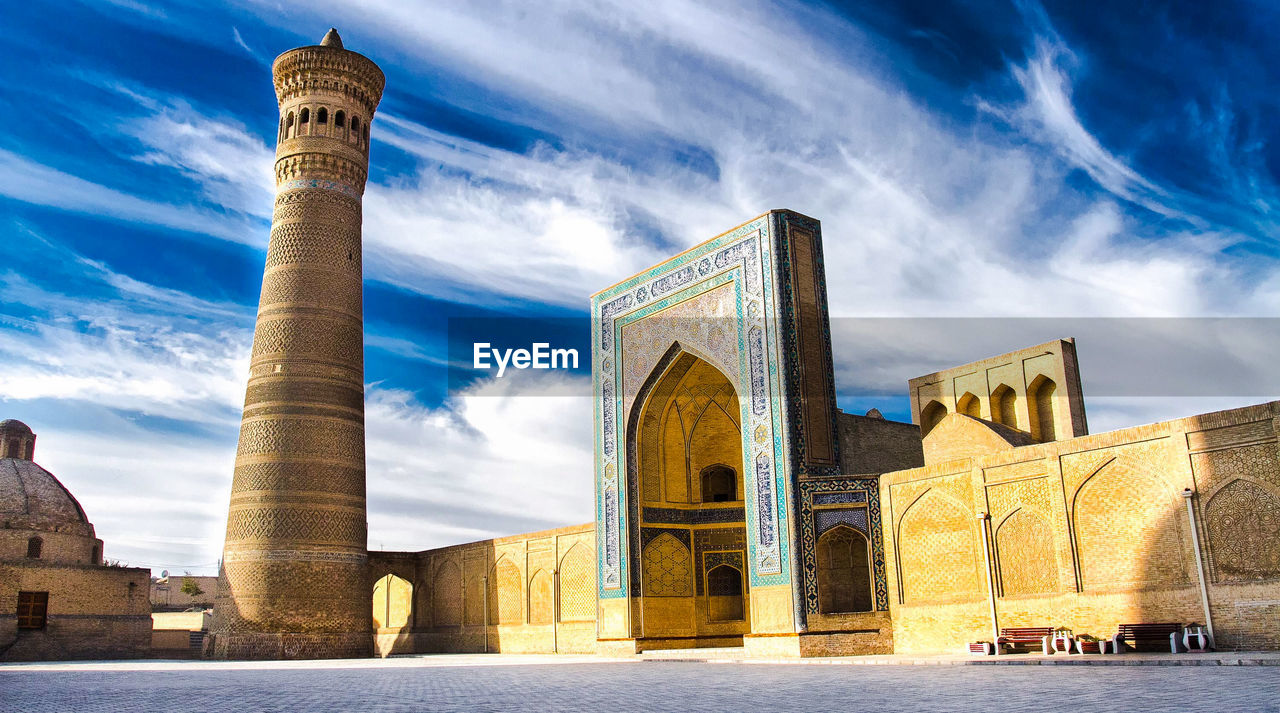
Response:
column 17, row 440
column 14, row 426
column 32, row 499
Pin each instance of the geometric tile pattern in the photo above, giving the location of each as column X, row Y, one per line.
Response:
column 668, row 568
column 740, row 259
column 832, row 490
column 577, row 585
column 296, row 559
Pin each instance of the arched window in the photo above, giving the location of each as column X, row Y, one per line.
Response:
column 844, row 571
column 288, row 126
column 719, row 484
column 34, row 546
column 355, row 128
column 1041, row 406
column 340, row 119
column 1004, row 406
column 969, row 405
column 322, row 116
column 306, row 116
column 724, row 594
column 930, row 415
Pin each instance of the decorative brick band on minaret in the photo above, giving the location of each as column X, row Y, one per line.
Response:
column 294, row 571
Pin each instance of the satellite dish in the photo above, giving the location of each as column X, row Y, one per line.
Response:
column 164, row 574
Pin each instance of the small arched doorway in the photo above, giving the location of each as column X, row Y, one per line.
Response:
column 724, row 594
column 392, row 602
column 844, row 571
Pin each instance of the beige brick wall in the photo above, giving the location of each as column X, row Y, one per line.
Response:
column 94, row 612
column 539, row 590
column 1092, row 532
column 167, row 594
column 55, row 548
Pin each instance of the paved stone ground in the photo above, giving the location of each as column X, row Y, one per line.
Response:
column 530, row 683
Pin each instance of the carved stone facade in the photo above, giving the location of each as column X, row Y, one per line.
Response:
column 294, row 576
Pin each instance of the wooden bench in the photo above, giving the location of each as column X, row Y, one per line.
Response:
column 1024, row 637
column 1148, row 637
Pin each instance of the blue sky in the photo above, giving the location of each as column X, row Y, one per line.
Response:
column 966, row 159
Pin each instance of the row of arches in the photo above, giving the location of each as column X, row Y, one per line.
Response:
column 448, row 599
column 1003, row 409
column 1126, row 529
column 319, row 121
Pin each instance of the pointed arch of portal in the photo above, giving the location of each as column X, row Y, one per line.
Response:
column 686, row 418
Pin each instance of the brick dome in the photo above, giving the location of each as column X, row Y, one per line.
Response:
column 39, row 518
column 13, row 425
column 31, row 498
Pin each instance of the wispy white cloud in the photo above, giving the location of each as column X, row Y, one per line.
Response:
column 233, row 168
column 30, row 182
column 919, row 218
column 135, row 347
column 235, row 34
column 492, row 460
column 1048, row 114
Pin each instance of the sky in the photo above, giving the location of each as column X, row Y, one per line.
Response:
column 988, row 175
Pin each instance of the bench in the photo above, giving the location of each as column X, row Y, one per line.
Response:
column 1024, row 637
column 1148, row 637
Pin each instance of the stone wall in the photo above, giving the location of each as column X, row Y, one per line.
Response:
column 530, row 593
column 877, row 445
column 55, row 547
column 93, row 612
column 1092, row 532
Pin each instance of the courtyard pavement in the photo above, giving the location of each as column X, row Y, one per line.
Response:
column 566, row 683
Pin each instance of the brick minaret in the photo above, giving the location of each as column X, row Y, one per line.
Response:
column 295, row 562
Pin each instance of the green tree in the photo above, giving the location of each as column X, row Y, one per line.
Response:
column 191, row 587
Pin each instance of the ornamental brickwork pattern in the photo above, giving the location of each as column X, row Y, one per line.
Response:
column 296, row 573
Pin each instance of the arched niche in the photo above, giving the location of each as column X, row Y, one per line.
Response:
column 1004, row 405
column 932, row 413
column 392, row 602
column 1024, row 554
column 685, row 474
column 1043, row 409
column 937, row 550
column 844, row 571
column 724, row 594
column 446, row 595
